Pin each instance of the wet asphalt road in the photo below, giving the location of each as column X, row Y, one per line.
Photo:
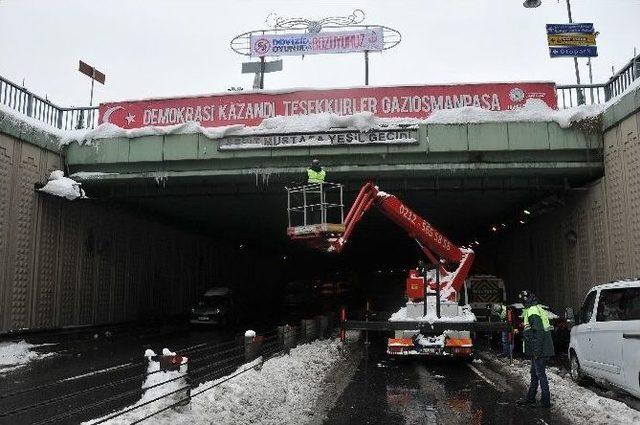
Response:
column 88, row 368
column 431, row 391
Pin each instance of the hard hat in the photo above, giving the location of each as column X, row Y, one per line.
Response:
column 527, row 297
column 315, row 162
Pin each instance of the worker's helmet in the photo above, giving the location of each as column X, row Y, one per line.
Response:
column 527, row 297
column 315, row 162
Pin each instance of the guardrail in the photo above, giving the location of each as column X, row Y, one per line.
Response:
column 570, row 95
column 34, row 106
column 118, row 392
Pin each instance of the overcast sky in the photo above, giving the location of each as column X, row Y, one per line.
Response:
column 154, row 48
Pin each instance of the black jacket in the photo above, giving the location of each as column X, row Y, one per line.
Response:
column 537, row 341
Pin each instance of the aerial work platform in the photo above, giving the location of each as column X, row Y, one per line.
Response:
column 315, row 213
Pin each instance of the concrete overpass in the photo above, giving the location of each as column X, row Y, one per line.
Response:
column 171, row 214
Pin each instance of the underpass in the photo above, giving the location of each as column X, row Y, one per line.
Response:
column 169, row 216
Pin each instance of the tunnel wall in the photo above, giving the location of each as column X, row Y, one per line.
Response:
column 68, row 263
column 544, row 255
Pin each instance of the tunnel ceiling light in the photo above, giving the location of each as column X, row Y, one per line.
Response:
column 522, row 221
column 526, row 212
column 476, row 242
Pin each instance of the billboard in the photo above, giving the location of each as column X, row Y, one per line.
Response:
column 354, row 40
column 251, row 108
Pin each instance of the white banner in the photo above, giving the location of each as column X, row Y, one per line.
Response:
column 395, row 137
column 360, row 40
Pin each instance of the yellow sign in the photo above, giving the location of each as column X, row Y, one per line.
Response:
column 572, row 40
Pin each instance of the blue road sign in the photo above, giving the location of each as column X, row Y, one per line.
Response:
column 579, row 51
column 570, row 28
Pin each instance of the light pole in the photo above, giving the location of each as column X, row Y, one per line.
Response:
column 532, row 4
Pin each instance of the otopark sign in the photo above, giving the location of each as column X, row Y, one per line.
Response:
column 251, row 108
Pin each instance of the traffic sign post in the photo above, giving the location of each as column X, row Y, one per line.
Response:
column 572, row 40
column 261, row 68
column 92, row 73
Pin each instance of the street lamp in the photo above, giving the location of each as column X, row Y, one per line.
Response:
column 532, row 4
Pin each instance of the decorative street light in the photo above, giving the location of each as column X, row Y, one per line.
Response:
column 532, row 4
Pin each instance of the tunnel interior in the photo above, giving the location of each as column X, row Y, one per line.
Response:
column 273, row 275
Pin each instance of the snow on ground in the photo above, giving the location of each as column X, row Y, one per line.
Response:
column 59, row 185
column 283, row 391
column 580, row 405
column 14, row 355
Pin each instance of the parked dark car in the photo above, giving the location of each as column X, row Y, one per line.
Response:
column 215, row 307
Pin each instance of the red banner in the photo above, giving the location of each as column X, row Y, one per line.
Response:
column 386, row 102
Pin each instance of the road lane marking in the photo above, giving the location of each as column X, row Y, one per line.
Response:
column 97, row 372
column 484, row 378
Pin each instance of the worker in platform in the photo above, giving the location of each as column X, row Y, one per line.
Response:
column 538, row 345
column 315, row 173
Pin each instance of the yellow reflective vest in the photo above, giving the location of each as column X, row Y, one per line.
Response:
column 316, row 176
column 533, row 310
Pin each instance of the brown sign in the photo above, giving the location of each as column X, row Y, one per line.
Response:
column 91, row 72
column 572, row 40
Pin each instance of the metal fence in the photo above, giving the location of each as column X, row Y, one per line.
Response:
column 118, row 392
column 34, row 106
column 570, row 95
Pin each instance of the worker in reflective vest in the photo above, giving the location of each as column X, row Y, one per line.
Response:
column 538, row 345
column 315, row 173
column 507, row 339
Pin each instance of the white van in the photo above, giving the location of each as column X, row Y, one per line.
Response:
column 605, row 340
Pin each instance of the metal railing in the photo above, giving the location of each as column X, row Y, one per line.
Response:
column 570, row 95
column 315, row 203
column 34, row 106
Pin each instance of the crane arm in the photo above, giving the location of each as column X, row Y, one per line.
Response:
column 434, row 244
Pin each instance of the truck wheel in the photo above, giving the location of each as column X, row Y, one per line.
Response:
column 576, row 372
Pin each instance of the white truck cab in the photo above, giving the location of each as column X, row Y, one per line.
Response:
column 605, row 339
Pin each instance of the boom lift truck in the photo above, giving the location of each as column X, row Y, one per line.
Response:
column 432, row 322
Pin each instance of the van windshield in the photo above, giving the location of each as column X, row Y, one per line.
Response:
column 214, row 301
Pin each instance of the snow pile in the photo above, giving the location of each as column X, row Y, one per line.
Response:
column 59, row 185
column 110, row 131
column 579, row 404
column 14, row 355
column 534, row 110
column 154, row 378
column 18, row 119
column 465, row 316
column 89, row 175
column 283, row 391
column 362, row 121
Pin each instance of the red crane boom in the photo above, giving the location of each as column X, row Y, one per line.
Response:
column 433, row 243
